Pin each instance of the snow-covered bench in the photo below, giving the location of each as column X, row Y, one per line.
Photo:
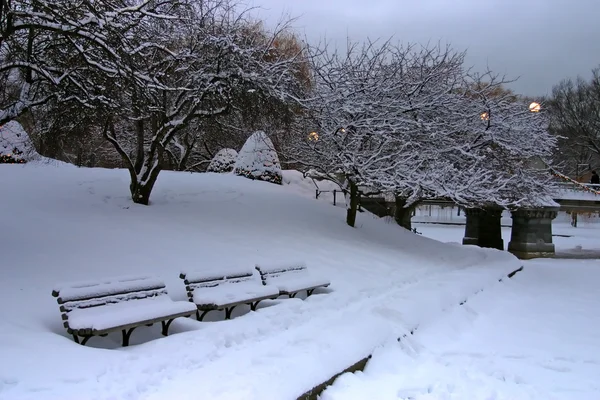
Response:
column 120, row 304
column 225, row 289
column 290, row 279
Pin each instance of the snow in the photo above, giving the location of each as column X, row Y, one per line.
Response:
column 445, row 225
column 290, row 278
column 225, row 294
column 307, row 187
column 106, row 287
column 576, row 194
column 536, row 336
column 223, row 161
column 127, row 312
column 13, row 137
column 215, row 273
column 258, row 159
column 221, row 287
column 62, row 223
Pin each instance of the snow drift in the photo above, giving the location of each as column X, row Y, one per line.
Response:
column 64, row 224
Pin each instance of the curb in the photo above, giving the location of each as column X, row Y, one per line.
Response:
column 314, row 393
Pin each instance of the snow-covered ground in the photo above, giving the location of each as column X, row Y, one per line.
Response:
column 62, row 224
column 536, row 336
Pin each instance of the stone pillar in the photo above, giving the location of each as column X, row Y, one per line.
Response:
column 483, row 227
column 472, row 226
column 531, row 235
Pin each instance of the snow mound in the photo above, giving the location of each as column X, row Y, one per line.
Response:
column 16, row 144
column 308, row 187
column 258, row 159
column 223, row 161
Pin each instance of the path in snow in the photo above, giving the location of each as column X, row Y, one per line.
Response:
column 536, row 336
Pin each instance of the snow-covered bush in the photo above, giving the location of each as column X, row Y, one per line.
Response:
column 15, row 145
column 258, row 159
column 223, row 161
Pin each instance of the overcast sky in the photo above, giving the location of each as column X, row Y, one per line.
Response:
column 538, row 41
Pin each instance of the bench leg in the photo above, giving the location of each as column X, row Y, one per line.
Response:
column 84, row 339
column 254, row 305
column 309, row 292
column 165, row 326
column 228, row 312
column 126, row 333
column 199, row 316
column 292, row 295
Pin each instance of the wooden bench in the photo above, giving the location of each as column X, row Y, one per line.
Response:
column 290, row 279
column 121, row 304
column 225, row 289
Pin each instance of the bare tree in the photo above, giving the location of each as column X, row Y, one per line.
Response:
column 575, row 120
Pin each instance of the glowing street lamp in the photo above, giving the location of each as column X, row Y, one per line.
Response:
column 313, row 136
column 485, row 116
column 535, row 107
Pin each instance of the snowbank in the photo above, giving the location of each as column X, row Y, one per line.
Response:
column 69, row 224
column 533, row 337
column 223, row 161
column 15, row 142
column 258, row 159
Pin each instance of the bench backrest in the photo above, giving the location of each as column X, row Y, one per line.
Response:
column 282, row 271
column 96, row 294
column 212, row 278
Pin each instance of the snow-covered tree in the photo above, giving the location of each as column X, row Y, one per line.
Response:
column 206, row 57
column 223, row 161
column 374, row 116
column 508, row 142
column 258, row 159
column 49, row 49
column 408, row 120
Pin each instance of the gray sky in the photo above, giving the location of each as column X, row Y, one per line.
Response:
column 538, row 41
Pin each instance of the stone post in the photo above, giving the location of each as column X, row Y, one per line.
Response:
column 483, row 227
column 472, row 226
column 531, row 235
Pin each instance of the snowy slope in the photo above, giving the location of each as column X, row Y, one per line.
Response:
column 62, row 223
column 536, row 336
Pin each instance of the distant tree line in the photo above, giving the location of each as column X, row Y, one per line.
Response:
column 575, row 120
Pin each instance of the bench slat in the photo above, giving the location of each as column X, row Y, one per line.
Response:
column 90, row 290
column 215, row 274
column 113, row 299
column 232, row 293
column 113, row 316
column 226, row 287
column 290, row 278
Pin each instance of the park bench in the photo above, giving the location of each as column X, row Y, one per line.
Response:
column 122, row 304
column 290, row 279
column 225, row 289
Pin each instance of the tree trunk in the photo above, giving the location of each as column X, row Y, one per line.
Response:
column 403, row 214
column 140, row 191
column 141, row 186
column 353, row 206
